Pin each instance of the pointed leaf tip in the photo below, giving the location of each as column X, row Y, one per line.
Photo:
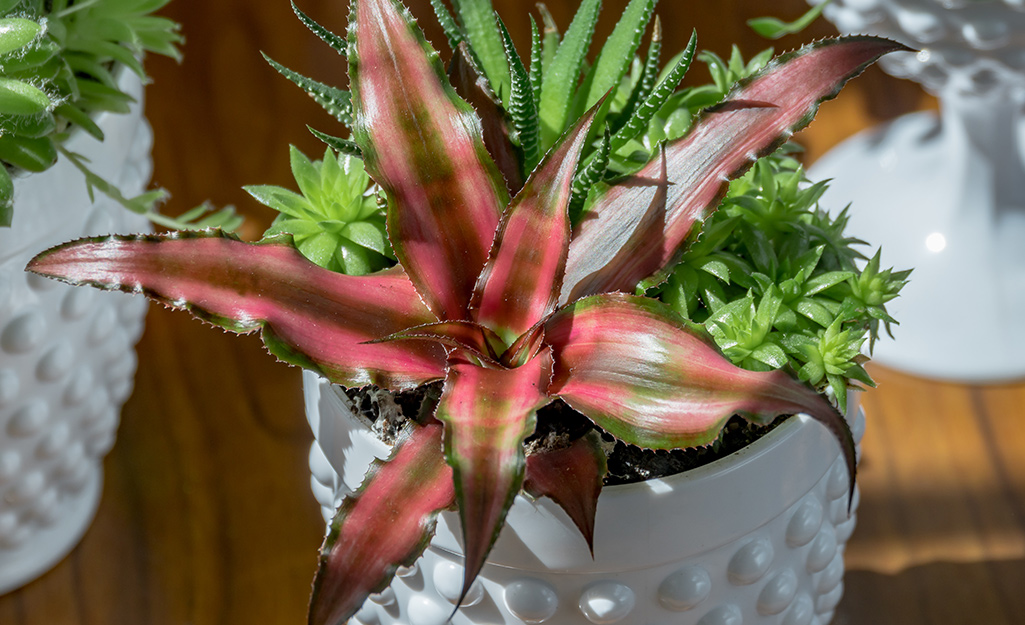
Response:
column 487, row 415
column 572, row 477
column 520, row 283
column 309, row 316
column 387, row 523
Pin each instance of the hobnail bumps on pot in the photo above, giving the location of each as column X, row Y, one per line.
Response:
column 788, row 571
column 67, row 365
column 67, row 368
column 965, row 44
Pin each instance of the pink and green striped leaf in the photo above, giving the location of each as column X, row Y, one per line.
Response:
column 525, row 347
column 630, row 234
column 487, row 415
column 633, row 367
column 474, row 88
column 572, row 477
column 471, row 337
column 520, row 282
column 309, row 316
column 387, row 523
column 423, row 145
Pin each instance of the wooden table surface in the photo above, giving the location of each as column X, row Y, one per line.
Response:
column 206, row 515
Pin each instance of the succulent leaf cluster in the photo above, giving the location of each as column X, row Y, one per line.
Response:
column 497, row 293
column 58, row 68
column 777, row 283
column 335, row 220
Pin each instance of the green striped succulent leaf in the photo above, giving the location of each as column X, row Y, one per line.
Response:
column 556, row 100
column 336, row 102
column 481, row 28
column 616, row 55
column 337, row 43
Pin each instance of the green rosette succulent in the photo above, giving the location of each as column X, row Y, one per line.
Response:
column 336, row 220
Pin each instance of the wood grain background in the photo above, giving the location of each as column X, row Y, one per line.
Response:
column 207, row 518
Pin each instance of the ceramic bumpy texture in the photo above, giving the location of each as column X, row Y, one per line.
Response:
column 753, row 539
column 973, row 46
column 67, row 357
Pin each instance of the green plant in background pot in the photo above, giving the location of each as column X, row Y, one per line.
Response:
column 59, row 65
column 520, row 334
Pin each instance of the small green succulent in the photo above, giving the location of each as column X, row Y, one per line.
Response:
column 336, row 221
column 58, row 68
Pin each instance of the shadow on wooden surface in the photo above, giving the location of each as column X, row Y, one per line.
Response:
column 941, row 592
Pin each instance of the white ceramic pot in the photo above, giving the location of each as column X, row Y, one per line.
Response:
column 67, row 357
column 754, row 538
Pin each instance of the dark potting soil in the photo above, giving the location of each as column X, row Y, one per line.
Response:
column 557, row 426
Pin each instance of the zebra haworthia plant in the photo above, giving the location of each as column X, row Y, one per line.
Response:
column 496, row 291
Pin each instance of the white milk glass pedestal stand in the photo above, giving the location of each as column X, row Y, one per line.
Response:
column 945, row 194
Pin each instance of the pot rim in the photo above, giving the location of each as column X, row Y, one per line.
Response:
column 730, row 462
column 657, row 520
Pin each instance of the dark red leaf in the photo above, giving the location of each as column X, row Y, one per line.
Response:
column 520, row 283
column 632, row 366
column 474, row 88
column 572, row 477
column 632, row 233
column 423, row 145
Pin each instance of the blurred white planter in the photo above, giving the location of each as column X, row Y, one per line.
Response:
column 67, row 356
column 754, row 538
column 945, row 194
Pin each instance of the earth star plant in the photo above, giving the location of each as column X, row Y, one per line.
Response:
column 496, row 291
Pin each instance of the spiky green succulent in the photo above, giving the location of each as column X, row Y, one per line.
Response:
column 58, row 68
column 777, row 282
